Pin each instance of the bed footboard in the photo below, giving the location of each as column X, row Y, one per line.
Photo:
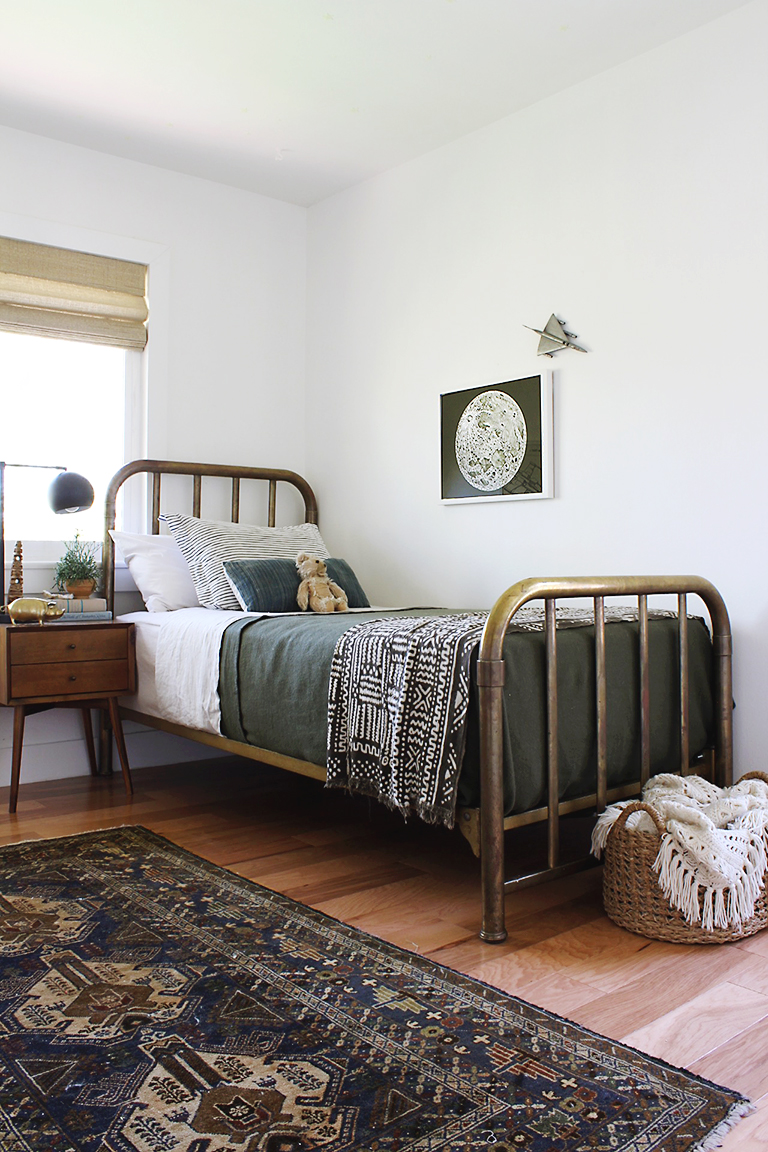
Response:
column 490, row 679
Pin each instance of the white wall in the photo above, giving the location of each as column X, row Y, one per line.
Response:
column 634, row 205
column 226, row 349
column 227, row 325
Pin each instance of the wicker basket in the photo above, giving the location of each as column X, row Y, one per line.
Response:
column 631, row 892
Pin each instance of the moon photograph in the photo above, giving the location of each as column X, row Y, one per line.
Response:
column 496, row 441
column 490, row 441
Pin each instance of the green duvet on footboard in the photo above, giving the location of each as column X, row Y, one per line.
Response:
column 274, row 695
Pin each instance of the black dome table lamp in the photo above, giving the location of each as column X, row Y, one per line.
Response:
column 69, row 492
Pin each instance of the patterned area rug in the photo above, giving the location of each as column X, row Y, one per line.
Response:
column 151, row 1001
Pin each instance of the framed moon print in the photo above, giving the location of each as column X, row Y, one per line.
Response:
column 497, row 441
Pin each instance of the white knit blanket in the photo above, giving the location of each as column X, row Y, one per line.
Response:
column 714, row 844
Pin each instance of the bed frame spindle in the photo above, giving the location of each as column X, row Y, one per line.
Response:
column 553, row 775
column 682, row 621
column 645, row 691
column 155, row 503
column 272, row 498
column 602, row 705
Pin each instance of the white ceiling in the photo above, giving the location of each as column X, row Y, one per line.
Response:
column 298, row 99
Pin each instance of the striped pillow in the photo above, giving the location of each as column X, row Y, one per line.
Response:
column 270, row 585
column 206, row 544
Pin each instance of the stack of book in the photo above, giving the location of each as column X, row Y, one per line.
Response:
column 80, row 611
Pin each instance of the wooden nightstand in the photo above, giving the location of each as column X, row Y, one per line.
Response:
column 66, row 666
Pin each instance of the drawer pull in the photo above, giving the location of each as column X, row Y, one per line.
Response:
column 73, row 677
column 73, row 646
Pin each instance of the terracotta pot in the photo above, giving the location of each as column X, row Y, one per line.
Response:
column 80, row 589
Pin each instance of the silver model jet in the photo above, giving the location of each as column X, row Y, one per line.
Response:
column 554, row 338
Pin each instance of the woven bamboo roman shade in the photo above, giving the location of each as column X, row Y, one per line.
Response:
column 48, row 291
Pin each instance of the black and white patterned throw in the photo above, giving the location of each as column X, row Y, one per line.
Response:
column 397, row 705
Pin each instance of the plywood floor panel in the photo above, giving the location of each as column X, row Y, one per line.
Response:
column 741, row 1063
column 682, row 974
column 708, row 1022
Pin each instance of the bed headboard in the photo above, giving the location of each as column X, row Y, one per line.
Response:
column 159, row 468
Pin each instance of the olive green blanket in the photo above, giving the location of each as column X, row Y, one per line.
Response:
column 274, row 694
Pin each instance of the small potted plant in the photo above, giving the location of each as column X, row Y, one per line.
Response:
column 78, row 571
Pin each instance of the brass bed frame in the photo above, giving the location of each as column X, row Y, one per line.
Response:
column 485, row 826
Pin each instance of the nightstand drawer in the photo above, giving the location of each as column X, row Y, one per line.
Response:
column 43, row 646
column 70, row 679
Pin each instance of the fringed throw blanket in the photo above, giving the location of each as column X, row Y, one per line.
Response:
column 397, row 705
column 714, row 845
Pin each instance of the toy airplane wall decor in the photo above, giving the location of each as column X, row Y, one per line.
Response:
column 554, row 338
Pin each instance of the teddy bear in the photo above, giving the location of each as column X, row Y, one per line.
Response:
column 316, row 589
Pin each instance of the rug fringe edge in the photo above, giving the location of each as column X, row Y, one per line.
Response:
column 714, row 1139
column 78, row 835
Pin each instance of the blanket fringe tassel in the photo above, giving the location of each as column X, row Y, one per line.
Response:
column 721, row 906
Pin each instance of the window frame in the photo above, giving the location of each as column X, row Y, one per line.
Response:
column 146, row 372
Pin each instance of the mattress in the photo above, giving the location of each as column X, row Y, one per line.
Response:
column 148, row 625
column 274, row 689
column 263, row 680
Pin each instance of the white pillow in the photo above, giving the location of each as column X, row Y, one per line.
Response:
column 159, row 571
column 206, row 544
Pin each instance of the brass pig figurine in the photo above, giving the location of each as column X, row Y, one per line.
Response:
column 29, row 610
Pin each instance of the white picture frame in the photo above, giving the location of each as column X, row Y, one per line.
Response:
column 497, row 441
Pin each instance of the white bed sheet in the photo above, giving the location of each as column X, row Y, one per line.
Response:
column 147, row 632
column 177, row 664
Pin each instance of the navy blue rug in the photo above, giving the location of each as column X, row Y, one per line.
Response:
column 153, row 1002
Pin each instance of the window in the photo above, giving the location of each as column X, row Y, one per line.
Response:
column 72, row 330
column 69, row 404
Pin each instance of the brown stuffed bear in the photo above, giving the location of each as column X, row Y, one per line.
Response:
column 316, row 590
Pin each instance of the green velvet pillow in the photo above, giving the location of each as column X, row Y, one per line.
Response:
column 270, row 585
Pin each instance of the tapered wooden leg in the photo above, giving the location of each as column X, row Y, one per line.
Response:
column 122, row 751
column 18, row 740
column 86, row 714
column 105, row 745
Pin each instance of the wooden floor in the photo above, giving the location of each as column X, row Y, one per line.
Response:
column 702, row 1008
